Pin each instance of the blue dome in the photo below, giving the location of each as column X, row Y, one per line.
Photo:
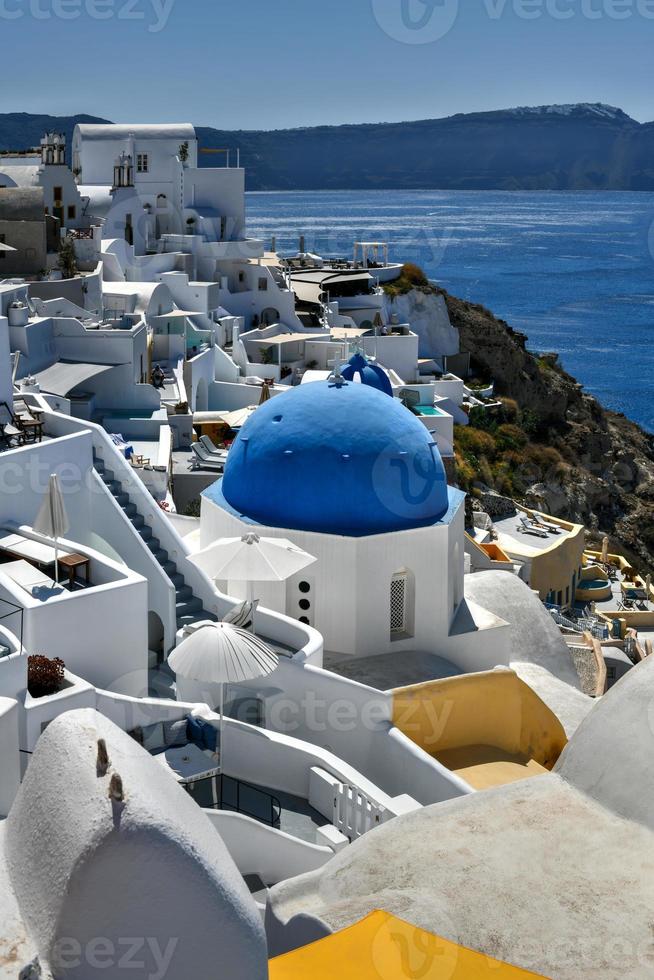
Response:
column 369, row 374
column 339, row 458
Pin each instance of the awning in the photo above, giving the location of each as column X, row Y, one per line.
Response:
column 286, row 338
column 381, row 946
column 64, row 376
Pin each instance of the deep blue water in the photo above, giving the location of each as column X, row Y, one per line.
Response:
column 574, row 271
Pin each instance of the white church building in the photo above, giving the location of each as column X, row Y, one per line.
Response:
column 354, row 478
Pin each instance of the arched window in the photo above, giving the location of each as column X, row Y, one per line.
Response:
column 269, row 316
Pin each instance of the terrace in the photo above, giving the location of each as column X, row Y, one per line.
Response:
column 624, row 600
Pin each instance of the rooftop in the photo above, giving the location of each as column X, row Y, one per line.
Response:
column 519, row 534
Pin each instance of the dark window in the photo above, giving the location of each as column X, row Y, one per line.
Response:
column 305, row 620
column 305, row 605
column 72, row 212
column 2, row 242
column 304, row 587
column 57, row 194
column 263, row 285
column 142, row 163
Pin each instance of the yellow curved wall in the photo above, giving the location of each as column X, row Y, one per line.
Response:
column 494, row 708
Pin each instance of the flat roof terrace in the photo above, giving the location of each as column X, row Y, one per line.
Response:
column 387, row 671
column 527, row 539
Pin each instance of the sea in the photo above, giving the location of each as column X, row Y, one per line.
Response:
column 572, row 270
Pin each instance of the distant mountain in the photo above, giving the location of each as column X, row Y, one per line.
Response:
column 582, row 146
column 23, row 130
column 568, row 147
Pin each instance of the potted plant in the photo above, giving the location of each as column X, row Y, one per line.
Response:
column 181, row 408
column 44, row 676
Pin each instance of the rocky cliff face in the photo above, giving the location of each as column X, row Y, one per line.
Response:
column 606, row 480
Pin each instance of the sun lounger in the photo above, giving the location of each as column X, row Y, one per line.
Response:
column 204, row 459
column 552, row 528
column 211, row 448
column 530, row 527
column 33, row 581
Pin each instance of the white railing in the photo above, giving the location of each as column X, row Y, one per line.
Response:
column 597, row 629
column 354, row 813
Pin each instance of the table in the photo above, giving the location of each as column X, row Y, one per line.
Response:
column 71, row 563
column 188, row 763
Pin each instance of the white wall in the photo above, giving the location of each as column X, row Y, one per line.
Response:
column 264, row 851
column 395, row 352
column 9, row 754
column 6, row 387
column 351, row 582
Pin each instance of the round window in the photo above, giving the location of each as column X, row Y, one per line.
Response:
column 305, row 604
column 305, row 620
column 304, row 587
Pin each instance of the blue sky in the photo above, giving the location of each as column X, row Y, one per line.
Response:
column 280, row 63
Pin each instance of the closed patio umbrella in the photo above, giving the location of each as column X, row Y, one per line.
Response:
column 252, row 559
column 218, row 653
column 265, row 394
column 6, row 248
column 52, row 519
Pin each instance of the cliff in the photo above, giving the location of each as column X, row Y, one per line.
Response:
column 568, row 147
column 554, row 446
column 586, row 146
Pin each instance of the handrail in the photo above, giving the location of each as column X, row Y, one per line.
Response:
column 218, row 783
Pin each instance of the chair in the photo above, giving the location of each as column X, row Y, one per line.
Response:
column 529, row 527
column 202, row 458
column 552, row 528
column 211, row 448
column 8, row 430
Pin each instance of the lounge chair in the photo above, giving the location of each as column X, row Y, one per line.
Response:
column 203, row 459
column 552, row 528
column 211, row 448
column 529, row 527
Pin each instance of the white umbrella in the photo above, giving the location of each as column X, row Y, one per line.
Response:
column 52, row 519
column 252, row 559
column 219, row 653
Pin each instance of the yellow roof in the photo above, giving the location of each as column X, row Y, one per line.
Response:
column 381, row 947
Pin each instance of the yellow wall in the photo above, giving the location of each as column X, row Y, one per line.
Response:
column 553, row 568
column 495, row 552
column 492, row 708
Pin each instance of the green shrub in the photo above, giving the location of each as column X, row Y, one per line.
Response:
column 510, row 436
column 472, row 441
column 411, row 277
